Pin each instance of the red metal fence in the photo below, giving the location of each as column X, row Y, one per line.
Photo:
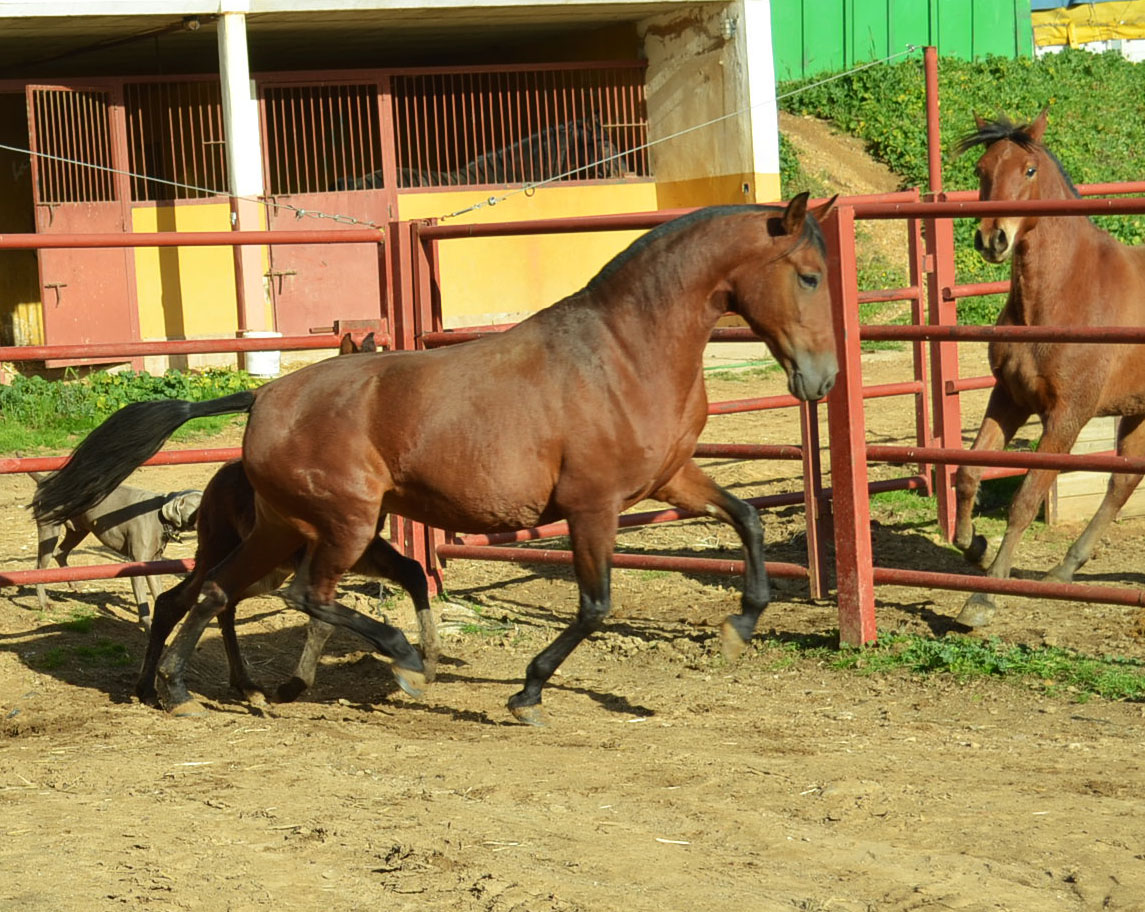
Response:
column 416, row 322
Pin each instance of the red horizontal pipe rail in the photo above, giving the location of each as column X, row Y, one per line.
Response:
column 166, row 457
column 619, row 561
column 1121, row 334
column 1077, row 592
column 1106, row 189
column 987, row 208
column 1066, row 462
column 190, row 239
column 175, row 347
column 94, row 572
column 964, row 384
column 747, row 451
column 910, row 293
column 974, row 289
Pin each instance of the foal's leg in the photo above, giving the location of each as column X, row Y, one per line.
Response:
column 1130, row 442
column 170, row 608
column 1003, row 419
column 690, row 489
column 593, row 536
column 1058, row 436
column 380, row 560
column 264, row 550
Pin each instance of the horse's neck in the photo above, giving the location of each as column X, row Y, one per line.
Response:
column 1044, row 261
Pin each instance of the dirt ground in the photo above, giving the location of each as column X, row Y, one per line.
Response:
column 666, row 780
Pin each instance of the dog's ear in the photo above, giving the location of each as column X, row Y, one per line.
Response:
column 181, row 509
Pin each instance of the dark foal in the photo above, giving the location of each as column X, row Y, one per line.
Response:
column 1065, row 271
column 576, row 413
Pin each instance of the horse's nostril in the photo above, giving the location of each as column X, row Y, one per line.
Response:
column 979, row 245
column 1000, row 240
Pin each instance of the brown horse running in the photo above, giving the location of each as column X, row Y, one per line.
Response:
column 225, row 517
column 1065, row 271
column 578, row 412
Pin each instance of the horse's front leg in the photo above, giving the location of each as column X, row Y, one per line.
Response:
column 1058, row 437
column 1001, row 422
column 690, row 489
column 593, row 536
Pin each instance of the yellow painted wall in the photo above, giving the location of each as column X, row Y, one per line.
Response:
column 184, row 292
column 495, row 280
column 20, row 311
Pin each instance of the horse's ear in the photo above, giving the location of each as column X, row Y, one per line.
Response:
column 1037, row 129
column 369, row 344
column 821, row 211
column 980, row 121
column 795, row 214
column 347, row 347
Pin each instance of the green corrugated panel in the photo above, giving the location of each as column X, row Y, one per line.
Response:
column 824, row 36
column 787, row 38
column 869, row 32
column 956, row 27
column 814, row 36
column 909, row 22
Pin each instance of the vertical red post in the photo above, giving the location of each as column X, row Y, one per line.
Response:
column 847, row 424
column 814, row 503
column 942, row 308
column 923, row 434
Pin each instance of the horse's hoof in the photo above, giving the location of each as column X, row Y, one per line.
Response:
column 530, row 715
column 732, row 639
column 289, row 691
column 411, row 681
column 976, row 552
column 978, row 611
column 1058, row 574
column 255, row 697
column 188, row 709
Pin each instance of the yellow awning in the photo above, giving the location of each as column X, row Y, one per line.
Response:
column 1079, row 25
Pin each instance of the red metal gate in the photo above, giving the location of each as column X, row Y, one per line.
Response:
column 325, row 152
column 79, row 186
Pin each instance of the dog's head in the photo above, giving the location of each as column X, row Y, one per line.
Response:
column 180, row 509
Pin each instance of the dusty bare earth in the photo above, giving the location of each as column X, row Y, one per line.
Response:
column 667, row 780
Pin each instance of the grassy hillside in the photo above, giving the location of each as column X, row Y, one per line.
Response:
column 1096, row 108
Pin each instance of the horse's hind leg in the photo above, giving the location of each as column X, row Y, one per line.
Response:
column 312, row 592
column 383, row 560
column 690, row 489
column 1130, row 442
column 317, row 633
column 1002, row 421
column 593, row 536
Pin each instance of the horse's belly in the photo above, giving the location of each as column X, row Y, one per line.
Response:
column 471, row 509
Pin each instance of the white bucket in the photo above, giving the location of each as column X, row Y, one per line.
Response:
column 262, row 363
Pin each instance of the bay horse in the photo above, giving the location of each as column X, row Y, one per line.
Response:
column 1065, row 271
column 225, row 517
column 578, row 412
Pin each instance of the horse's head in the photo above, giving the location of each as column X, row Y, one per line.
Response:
column 1015, row 166
column 784, row 298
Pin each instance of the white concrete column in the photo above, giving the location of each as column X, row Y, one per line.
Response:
column 753, row 32
column 244, row 164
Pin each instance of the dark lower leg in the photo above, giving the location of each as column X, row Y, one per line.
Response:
column 170, row 608
column 592, row 540
column 239, row 671
column 317, row 634
column 173, row 665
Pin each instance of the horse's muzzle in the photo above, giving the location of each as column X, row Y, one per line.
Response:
column 994, row 244
column 813, row 376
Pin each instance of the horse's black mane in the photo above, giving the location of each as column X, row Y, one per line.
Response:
column 811, row 231
column 1002, row 127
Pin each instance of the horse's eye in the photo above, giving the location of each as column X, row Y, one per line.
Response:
column 1031, row 171
column 809, row 281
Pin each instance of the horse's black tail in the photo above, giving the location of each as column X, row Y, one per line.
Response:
column 116, row 448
